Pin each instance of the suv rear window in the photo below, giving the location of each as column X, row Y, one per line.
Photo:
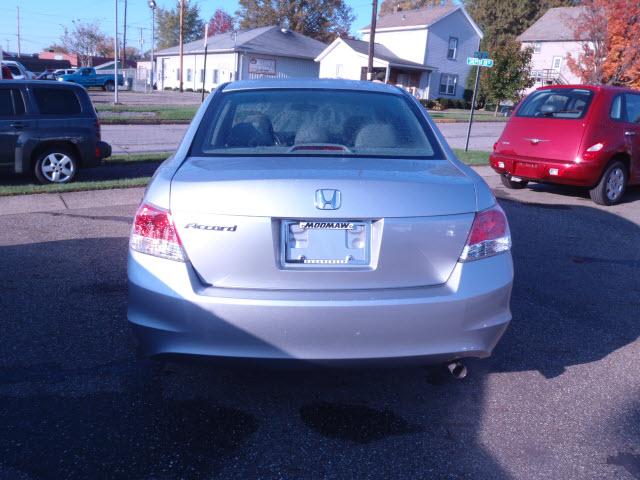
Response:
column 315, row 122
column 56, row 101
column 563, row 103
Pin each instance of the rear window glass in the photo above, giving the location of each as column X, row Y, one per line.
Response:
column 11, row 102
column 56, row 101
column 633, row 108
column 563, row 103
column 314, row 122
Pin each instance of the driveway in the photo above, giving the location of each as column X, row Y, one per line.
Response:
column 162, row 138
column 558, row 399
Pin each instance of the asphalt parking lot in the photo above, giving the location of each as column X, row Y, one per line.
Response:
column 560, row 397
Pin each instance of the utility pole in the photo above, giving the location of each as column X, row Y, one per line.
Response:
column 124, row 38
column 181, row 43
column 18, row 30
column 152, row 6
column 115, row 57
column 372, row 38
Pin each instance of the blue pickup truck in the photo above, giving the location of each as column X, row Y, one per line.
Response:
column 87, row 77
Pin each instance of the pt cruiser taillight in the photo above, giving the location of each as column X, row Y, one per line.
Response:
column 154, row 233
column 489, row 235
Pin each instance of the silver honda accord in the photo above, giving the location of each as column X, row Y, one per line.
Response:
column 326, row 221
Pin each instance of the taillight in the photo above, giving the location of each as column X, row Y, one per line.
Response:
column 489, row 235
column 154, row 233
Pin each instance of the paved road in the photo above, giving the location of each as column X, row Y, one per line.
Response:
column 559, row 398
column 161, row 138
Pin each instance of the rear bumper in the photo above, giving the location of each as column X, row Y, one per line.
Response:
column 583, row 174
column 173, row 313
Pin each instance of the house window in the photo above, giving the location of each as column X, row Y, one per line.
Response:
column 557, row 63
column 178, row 74
column 201, row 75
column 214, row 74
column 452, row 52
column 339, row 70
column 448, row 84
column 188, row 74
column 537, row 47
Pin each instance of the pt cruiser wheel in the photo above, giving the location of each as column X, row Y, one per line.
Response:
column 612, row 185
column 57, row 165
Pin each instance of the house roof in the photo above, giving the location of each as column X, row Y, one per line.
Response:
column 383, row 54
column 557, row 24
column 270, row 40
column 421, row 17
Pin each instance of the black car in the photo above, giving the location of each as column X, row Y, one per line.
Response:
column 49, row 129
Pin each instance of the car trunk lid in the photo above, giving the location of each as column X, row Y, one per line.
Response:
column 247, row 222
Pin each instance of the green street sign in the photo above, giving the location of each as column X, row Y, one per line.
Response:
column 480, row 62
column 480, row 54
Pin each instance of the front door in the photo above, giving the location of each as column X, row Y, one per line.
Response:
column 632, row 133
column 11, row 123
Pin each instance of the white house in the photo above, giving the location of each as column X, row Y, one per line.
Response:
column 265, row 52
column 423, row 50
column 553, row 39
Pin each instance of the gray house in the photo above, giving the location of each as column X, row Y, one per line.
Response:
column 265, row 52
column 424, row 51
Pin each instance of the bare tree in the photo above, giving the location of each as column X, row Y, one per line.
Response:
column 84, row 39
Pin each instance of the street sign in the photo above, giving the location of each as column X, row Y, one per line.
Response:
column 480, row 62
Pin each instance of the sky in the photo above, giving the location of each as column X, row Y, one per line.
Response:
column 42, row 21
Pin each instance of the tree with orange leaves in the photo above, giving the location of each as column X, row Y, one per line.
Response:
column 610, row 32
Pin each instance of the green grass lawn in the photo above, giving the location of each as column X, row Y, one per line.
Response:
column 25, row 185
column 147, row 113
column 472, row 157
column 459, row 115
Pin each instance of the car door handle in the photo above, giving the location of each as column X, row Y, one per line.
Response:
column 18, row 125
column 630, row 133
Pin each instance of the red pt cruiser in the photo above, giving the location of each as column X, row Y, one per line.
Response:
column 582, row 135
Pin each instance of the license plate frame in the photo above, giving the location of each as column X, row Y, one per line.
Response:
column 325, row 243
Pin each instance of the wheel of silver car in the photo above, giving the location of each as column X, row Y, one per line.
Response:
column 612, row 185
column 56, row 166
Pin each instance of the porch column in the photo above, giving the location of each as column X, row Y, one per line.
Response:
column 386, row 74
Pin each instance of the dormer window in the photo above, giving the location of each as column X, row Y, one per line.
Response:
column 452, row 52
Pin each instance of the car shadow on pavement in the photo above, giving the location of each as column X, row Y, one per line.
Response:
column 576, row 289
column 76, row 401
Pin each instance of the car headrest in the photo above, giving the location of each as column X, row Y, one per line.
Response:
column 376, row 135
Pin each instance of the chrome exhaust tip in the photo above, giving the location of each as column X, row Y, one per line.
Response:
column 457, row 369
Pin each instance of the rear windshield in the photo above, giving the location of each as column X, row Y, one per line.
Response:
column 314, row 122
column 564, row 103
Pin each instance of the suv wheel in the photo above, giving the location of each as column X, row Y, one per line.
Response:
column 513, row 184
column 109, row 86
column 611, row 186
column 56, row 165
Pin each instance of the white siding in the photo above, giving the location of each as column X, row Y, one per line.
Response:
column 286, row 67
column 343, row 62
column 224, row 63
column 407, row 44
column 543, row 60
column 455, row 25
